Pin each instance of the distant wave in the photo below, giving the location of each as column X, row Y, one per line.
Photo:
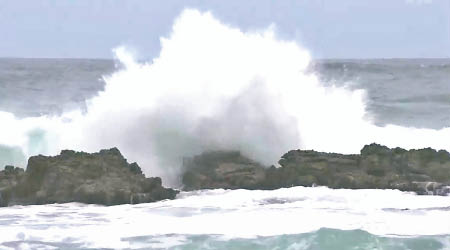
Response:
column 214, row 87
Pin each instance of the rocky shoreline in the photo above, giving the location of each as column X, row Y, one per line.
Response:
column 424, row 171
column 107, row 178
column 100, row 178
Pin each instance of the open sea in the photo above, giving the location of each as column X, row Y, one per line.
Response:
column 407, row 92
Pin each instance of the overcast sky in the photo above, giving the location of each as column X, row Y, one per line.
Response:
column 328, row 28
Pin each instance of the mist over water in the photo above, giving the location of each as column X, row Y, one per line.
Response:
column 213, row 87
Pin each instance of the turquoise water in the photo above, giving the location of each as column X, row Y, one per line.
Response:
column 323, row 239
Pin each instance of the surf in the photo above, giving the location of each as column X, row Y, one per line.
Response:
column 212, row 87
column 298, row 217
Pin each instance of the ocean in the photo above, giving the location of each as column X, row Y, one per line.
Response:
column 403, row 92
column 224, row 89
column 293, row 218
column 407, row 92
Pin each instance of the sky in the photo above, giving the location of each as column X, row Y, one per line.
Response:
column 327, row 28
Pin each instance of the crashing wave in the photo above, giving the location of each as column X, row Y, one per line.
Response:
column 214, row 87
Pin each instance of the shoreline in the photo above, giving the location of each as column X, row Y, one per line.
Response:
column 106, row 178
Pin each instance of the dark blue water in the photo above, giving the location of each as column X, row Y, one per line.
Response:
column 407, row 92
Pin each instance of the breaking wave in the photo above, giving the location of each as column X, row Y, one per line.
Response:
column 211, row 87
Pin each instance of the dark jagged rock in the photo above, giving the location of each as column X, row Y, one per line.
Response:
column 424, row 171
column 99, row 178
column 9, row 177
column 221, row 169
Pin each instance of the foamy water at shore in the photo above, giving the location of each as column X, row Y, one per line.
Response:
column 298, row 217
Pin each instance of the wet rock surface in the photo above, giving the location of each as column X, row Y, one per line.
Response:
column 100, row 178
column 424, row 171
column 107, row 178
column 221, row 169
column 9, row 177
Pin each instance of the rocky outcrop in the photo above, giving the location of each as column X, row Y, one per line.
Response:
column 100, row 178
column 425, row 171
column 107, row 178
column 221, row 169
column 9, row 177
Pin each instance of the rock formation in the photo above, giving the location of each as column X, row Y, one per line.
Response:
column 425, row 171
column 107, row 178
column 221, row 169
column 100, row 178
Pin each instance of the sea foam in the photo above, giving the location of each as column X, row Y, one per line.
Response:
column 244, row 215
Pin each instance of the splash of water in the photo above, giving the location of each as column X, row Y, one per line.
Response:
column 215, row 87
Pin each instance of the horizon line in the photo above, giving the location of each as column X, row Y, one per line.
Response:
column 312, row 58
